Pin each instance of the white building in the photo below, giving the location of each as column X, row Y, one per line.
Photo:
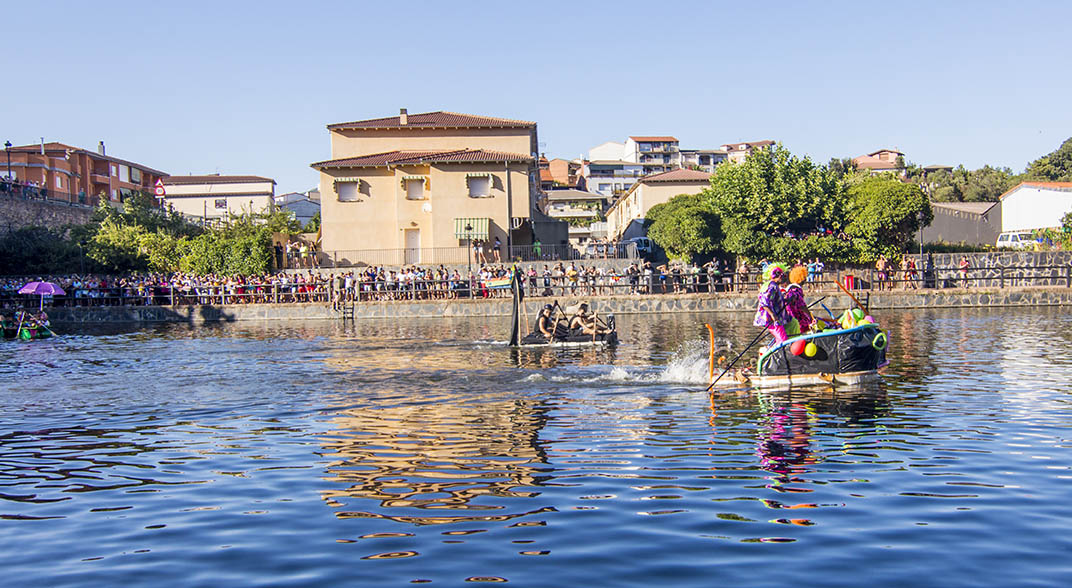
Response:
column 303, row 207
column 624, row 215
column 1035, row 205
column 738, row 152
column 702, row 159
column 611, row 177
column 214, row 196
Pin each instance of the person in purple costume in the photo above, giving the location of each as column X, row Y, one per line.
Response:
column 771, row 312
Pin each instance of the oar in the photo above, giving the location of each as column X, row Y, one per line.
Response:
column 18, row 329
column 758, row 337
column 858, row 303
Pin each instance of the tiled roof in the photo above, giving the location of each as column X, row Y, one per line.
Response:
column 423, row 157
column 572, row 194
column 969, row 207
column 545, row 176
column 439, row 119
column 678, row 175
column 868, row 162
column 874, row 153
column 1056, row 185
column 53, row 147
column 214, row 179
column 665, row 139
column 748, row 145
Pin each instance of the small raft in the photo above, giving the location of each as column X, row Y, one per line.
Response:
column 842, row 357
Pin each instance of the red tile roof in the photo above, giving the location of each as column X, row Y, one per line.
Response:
column 54, row 147
column 546, row 176
column 678, row 175
column 423, row 157
column 439, row 119
column 874, row 153
column 667, row 138
column 868, row 162
column 214, row 179
column 747, row 144
column 1058, row 185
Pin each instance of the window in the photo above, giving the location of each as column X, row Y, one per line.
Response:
column 604, row 187
column 115, row 171
column 347, row 191
column 220, row 204
column 135, row 175
column 479, row 186
column 59, row 181
column 415, row 189
column 124, row 173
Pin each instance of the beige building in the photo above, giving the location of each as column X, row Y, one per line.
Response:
column 417, row 188
column 883, row 160
column 738, row 152
column 648, row 192
column 212, row 197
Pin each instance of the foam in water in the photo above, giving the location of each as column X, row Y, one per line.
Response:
column 690, row 363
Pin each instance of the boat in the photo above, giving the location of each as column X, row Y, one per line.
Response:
column 563, row 337
column 29, row 333
column 841, row 357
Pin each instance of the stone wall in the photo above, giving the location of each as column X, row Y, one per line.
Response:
column 16, row 213
column 979, row 297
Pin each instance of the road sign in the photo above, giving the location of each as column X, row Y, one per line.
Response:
column 160, row 193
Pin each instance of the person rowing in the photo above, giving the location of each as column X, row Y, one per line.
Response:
column 585, row 322
column 545, row 325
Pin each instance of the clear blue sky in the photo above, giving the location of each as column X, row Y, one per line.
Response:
column 247, row 87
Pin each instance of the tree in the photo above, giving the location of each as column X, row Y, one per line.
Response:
column 313, row 225
column 1053, row 167
column 773, row 200
column 684, row 226
column 886, row 213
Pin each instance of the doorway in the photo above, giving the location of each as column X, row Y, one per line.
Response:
column 413, row 246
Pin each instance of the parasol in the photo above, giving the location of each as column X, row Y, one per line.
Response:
column 42, row 289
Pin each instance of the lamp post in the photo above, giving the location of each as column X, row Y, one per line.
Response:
column 7, row 149
column 469, row 247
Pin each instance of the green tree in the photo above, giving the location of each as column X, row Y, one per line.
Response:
column 684, row 226
column 774, row 197
column 313, row 225
column 1053, row 167
column 886, row 213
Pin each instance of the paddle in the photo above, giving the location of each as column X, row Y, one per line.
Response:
column 739, row 356
column 858, row 303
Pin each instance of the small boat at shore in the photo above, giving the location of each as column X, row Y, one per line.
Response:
column 27, row 332
column 839, row 357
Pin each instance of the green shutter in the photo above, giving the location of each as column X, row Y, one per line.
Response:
column 478, row 228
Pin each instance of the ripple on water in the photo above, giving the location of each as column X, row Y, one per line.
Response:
column 318, row 454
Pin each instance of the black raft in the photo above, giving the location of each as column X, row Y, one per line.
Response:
column 562, row 334
column 841, row 351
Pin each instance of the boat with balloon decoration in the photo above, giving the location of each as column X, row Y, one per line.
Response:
column 852, row 352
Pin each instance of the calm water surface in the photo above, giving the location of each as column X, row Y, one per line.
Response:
column 395, row 453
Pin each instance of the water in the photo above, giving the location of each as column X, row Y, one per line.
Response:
column 392, row 453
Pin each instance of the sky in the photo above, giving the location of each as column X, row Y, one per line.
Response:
column 236, row 87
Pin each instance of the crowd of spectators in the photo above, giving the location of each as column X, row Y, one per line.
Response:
column 372, row 284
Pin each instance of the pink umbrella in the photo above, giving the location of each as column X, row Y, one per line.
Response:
column 41, row 289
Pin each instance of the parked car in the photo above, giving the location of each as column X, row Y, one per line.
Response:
column 644, row 246
column 1015, row 240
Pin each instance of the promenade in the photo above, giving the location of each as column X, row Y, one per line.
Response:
column 718, row 302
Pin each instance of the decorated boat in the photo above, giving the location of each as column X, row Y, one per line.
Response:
column 842, row 356
column 605, row 332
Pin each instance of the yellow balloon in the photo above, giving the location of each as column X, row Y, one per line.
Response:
column 811, row 349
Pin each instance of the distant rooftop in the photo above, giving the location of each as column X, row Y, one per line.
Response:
column 434, row 120
column 214, row 179
column 423, row 157
column 663, row 139
column 678, row 175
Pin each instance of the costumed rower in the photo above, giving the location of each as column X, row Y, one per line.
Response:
column 771, row 312
column 801, row 318
column 544, row 324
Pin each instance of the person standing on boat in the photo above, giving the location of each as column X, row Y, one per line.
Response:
column 794, row 301
column 771, row 312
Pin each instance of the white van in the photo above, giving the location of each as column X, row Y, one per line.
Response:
column 1015, row 240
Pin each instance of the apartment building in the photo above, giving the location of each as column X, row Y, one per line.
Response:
column 77, row 175
column 625, row 216
column 738, row 152
column 213, row 197
column 427, row 184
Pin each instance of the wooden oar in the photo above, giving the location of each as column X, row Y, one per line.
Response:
column 858, row 303
column 758, row 337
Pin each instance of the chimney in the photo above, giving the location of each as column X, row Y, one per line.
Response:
column 42, row 145
column 100, row 147
column 403, row 116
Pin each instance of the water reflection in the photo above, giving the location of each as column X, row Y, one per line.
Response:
column 437, row 463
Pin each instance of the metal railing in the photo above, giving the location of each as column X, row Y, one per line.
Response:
column 23, row 191
column 457, row 256
column 361, row 289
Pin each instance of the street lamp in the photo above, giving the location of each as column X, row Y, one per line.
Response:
column 7, row 149
column 469, row 247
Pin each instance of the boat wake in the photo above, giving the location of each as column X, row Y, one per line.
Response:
column 688, row 365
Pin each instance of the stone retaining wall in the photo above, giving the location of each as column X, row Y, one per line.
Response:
column 16, row 213
column 501, row 307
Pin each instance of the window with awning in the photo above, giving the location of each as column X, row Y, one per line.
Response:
column 479, row 184
column 477, row 228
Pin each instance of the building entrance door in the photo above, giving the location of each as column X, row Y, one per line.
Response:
column 413, row 246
